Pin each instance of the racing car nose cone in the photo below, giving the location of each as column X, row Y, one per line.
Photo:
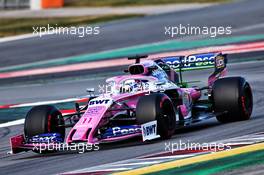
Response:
column 80, row 134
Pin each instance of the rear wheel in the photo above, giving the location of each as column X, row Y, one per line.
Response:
column 157, row 107
column 232, row 98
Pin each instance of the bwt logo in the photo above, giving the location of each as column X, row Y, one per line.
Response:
column 99, row 102
column 149, row 130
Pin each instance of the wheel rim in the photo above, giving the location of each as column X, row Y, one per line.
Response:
column 247, row 101
column 168, row 114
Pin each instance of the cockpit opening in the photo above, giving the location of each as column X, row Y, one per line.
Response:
column 136, row 69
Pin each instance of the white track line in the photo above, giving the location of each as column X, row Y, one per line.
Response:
column 137, row 163
column 12, row 123
column 24, row 36
column 14, row 38
column 21, row 121
column 170, row 157
column 97, row 170
column 45, row 102
column 41, row 103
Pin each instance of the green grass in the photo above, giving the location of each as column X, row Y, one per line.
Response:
column 10, row 26
column 100, row 3
column 227, row 164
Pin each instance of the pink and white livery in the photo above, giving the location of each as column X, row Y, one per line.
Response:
column 151, row 101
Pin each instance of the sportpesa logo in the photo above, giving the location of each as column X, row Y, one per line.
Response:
column 191, row 61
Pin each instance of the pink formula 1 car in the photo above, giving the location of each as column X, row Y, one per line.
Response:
column 151, row 101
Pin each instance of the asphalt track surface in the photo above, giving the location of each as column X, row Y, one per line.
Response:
column 245, row 17
column 207, row 131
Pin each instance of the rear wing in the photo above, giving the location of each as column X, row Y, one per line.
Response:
column 217, row 61
column 197, row 61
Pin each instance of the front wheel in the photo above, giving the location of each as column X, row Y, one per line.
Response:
column 44, row 120
column 157, row 107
